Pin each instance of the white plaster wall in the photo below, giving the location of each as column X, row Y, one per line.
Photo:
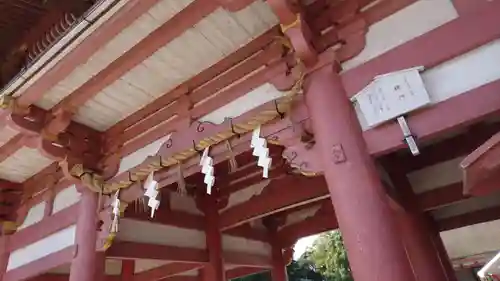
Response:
column 238, row 244
column 403, row 26
column 146, row 264
column 35, row 215
column 65, row 198
column 301, row 215
column 472, row 240
column 260, row 95
column 435, row 176
column 140, row 155
column 48, row 245
column 153, row 233
column 245, row 194
column 459, row 75
column 182, row 203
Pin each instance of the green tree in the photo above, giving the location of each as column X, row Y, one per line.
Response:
column 329, row 257
column 297, row 271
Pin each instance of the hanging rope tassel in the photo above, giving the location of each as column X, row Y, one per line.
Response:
column 181, row 182
column 233, row 165
column 116, row 213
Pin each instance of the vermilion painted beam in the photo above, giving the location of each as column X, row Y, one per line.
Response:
column 277, row 196
column 10, row 147
column 223, row 97
column 449, row 148
column 441, row 196
column 128, row 270
column 157, row 107
column 49, row 176
column 42, row 265
column 165, row 271
column 438, row 119
column 239, row 272
column 65, row 277
column 471, row 218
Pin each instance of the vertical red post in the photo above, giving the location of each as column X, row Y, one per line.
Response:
column 415, row 231
column 84, row 264
column 372, row 239
column 128, row 270
column 278, row 271
column 417, row 239
column 443, row 255
column 214, row 270
column 100, row 267
column 4, row 255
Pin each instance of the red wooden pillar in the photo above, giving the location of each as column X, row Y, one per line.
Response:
column 84, row 264
column 373, row 242
column 128, row 270
column 278, row 271
column 4, row 255
column 100, row 267
column 417, row 239
column 214, row 270
column 443, row 255
column 279, row 262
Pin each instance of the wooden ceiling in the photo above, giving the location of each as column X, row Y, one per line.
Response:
column 23, row 23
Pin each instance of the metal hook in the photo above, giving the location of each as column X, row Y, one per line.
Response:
column 232, row 128
column 281, row 114
column 195, row 149
column 130, row 178
column 161, row 163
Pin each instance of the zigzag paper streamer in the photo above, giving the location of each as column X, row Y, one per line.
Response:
column 151, row 187
column 207, row 168
column 260, row 150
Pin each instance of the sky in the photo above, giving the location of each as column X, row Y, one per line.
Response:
column 302, row 244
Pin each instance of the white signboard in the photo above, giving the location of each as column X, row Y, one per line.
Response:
column 392, row 95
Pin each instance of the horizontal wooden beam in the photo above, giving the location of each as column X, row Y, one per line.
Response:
column 65, row 277
column 440, row 118
column 279, row 195
column 442, row 196
column 165, row 271
column 449, row 148
column 11, row 146
column 471, row 218
column 323, row 220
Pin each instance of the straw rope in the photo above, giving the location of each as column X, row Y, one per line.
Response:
column 95, row 182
